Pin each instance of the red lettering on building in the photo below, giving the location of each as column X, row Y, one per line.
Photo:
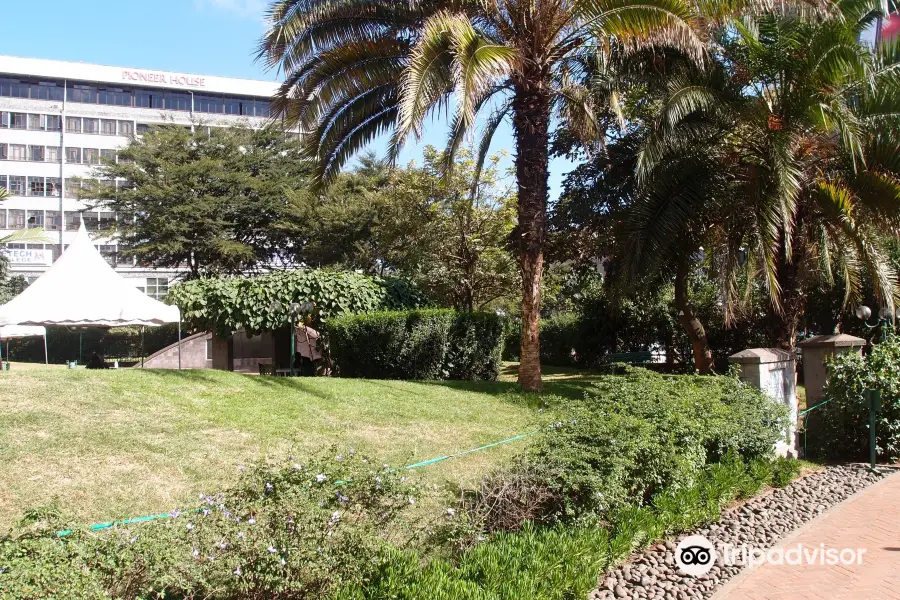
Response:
column 170, row 79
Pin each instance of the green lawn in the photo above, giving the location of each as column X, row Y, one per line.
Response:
column 109, row 444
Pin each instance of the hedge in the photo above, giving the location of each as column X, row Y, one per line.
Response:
column 416, row 344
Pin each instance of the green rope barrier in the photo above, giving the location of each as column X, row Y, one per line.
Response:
column 424, row 463
column 805, row 415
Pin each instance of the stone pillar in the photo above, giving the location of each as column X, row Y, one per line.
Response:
column 773, row 371
column 222, row 353
column 816, row 351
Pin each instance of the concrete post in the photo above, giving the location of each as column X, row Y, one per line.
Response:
column 816, row 351
column 773, row 371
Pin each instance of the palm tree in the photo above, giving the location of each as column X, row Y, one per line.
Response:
column 354, row 70
column 798, row 178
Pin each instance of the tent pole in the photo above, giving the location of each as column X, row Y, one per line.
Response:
column 80, row 333
column 142, row 346
column 46, row 355
column 179, row 342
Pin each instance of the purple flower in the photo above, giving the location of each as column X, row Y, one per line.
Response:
column 321, row 477
column 237, row 571
column 241, row 468
column 251, row 520
column 272, row 550
column 189, row 526
column 222, row 545
column 340, row 457
column 269, row 487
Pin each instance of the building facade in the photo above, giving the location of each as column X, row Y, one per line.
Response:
column 59, row 120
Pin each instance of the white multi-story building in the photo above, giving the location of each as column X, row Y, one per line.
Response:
column 59, row 119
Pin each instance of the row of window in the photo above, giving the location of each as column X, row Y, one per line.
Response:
column 73, row 155
column 20, row 218
column 138, row 97
column 31, row 121
column 21, row 185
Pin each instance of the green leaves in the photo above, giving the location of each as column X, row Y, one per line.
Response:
column 230, row 304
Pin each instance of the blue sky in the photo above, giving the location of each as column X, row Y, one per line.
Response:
column 210, row 37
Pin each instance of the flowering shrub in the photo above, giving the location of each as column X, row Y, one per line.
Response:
column 295, row 531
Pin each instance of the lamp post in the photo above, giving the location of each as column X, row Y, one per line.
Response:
column 885, row 318
column 294, row 310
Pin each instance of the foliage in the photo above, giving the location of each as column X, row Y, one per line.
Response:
column 432, row 228
column 286, row 531
column 635, row 435
column 420, row 344
column 840, row 428
column 561, row 562
column 261, row 303
column 64, row 344
column 213, row 202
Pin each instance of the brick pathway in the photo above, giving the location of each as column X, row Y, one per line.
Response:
column 870, row 520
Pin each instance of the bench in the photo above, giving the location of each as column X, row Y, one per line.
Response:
column 265, row 369
column 630, row 358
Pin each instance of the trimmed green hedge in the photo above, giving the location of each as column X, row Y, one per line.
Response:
column 417, row 344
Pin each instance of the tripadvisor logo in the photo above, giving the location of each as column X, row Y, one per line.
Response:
column 695, row 555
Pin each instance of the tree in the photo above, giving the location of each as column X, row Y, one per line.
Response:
column 355, row 70
column 219, row 202
column 780, row 163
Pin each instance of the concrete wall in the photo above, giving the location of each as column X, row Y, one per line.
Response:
column 193, row 354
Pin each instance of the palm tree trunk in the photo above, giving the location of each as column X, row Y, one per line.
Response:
column 531, row 123
column 693, row 327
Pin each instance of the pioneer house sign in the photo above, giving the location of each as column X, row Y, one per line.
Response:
column 164, row 78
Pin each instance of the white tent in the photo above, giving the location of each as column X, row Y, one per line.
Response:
column 12, row 332
column 82, row 290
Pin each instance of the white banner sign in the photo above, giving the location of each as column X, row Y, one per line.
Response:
column 28, row 257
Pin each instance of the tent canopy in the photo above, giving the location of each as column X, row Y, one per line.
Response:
column 12, row 332
column 82, row 289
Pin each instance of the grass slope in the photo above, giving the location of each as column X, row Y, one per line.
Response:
column 111, row 444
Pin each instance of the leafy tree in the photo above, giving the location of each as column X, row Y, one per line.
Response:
column 356, row 70
column 214, row 202
column 778, row 166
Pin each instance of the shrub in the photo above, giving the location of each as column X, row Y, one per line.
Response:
column 560, row 340
column 631, row 437
column 293, row 531
column 840, row 429
column 560, row 562
column 418, row 344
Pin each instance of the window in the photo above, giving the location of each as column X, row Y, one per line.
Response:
column 91, row 156
column 52, row 122
column 45, row 90
column 82, row 93
column 17, row 185
column 35, row 219
column 16, row 219
column 35, row 122
column 4, row 151
column 178, row 101
column 90, row 220
column 232, row 106
column 73, row 155
column 108, row 155
column 52, row 154
column 142, row 128
column 36, row 153
column 52, row 220
column 110, row 253
column 90, row 126
column 2, row 219
column 35, row 186
column 209, row 349
column 114, row 96
column 107, row 220
column 209, row 104
column 73, row 221
column 17, row 151
column 126, row 128
column 52, row 187
column 3, row 183
column 72, row 187
column 149, row 99
column 107, row 127
column 73, row 124
column 17, row 89
column 157, row 287
column 18, row 120
column 4, row 120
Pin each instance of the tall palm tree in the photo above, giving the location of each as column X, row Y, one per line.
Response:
column 793, row 163
column 354, row 70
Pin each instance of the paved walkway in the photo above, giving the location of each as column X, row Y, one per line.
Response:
column 869, row 520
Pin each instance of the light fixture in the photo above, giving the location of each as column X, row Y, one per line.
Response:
column 863, row 312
